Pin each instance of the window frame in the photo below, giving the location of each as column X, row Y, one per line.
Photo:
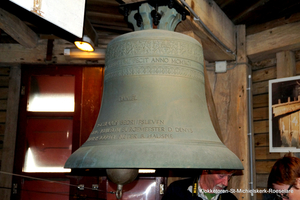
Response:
column 27, row 71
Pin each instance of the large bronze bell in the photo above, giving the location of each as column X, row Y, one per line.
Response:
column 154, row 112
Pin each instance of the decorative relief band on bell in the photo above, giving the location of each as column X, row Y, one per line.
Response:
column 154, row 60
column 155, row 70
column 158, row 46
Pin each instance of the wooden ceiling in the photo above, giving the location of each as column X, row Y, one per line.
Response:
column 105, row 16
column 257, row 15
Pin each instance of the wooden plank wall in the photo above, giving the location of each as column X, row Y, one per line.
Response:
column 4, row 81
column 262, row 72
column 10, row 130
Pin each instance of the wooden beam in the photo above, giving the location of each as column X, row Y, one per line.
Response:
column 215, row 46
column 17, row 29
column 132, row 1
column 264, row 74
column 246, row 12
column 216, row 21
column 239, row 131
column 286, row 64
column 103, row 6
column 255, row 28
column 222, row 4
column 212, row 50
column 106, row 2
column 16, row 53
column 266, row 44
column 106, row 19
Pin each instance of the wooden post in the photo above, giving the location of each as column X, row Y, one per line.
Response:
column 286, row 65
column 230, row 95
column 10, row 132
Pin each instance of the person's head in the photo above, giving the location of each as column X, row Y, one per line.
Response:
column 215, row 179
column 285, row 176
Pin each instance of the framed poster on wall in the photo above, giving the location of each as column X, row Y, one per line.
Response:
column 284, row 114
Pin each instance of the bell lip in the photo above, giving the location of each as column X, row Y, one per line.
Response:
column 99, row 169
column 165, row 156
column 160, row 172
column 90, row 169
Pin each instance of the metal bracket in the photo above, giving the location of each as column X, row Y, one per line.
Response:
column 15, row 188
column 95, row 186
column 161, row 188
column 80, row 187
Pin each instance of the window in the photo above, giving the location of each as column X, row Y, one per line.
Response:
column 51, row 94
column 48, row 130
column 49, row 144
column 59, row 106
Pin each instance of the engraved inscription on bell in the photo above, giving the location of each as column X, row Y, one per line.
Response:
column 166, row 72
column 137, row 127
column 128, row 98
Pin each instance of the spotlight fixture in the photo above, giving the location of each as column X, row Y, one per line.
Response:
column 86, row 44
column 90, row 38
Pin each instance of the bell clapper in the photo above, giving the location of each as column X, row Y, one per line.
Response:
column 119, row 191
column 121, row 177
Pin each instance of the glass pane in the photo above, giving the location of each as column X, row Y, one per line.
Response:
column 44, row 190
column 51, row 94
column 49, row 144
